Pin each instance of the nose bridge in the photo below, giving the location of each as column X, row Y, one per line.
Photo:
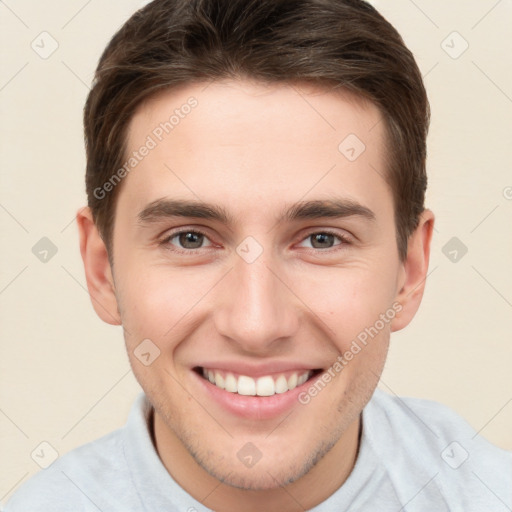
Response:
column 255, row 306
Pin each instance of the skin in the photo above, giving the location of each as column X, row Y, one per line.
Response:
column 254, row 148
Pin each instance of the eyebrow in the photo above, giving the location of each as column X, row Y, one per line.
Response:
column 303, row 210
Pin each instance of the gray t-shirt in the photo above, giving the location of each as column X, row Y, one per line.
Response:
column 415, row 455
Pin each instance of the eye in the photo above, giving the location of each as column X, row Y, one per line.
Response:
column 325, row 239
column 186, row 241
column 189, row 241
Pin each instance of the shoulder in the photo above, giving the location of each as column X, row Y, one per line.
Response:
column 75, row 479
column 427, row 442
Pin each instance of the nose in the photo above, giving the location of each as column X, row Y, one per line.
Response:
column 257, row 308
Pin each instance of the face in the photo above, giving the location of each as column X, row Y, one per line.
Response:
column 253, row 245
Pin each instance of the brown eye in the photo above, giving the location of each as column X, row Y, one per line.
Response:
column 326, row 240
column 186, row 240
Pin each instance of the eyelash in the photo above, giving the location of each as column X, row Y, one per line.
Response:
column 166, row 241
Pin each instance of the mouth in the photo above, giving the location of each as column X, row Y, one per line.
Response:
column 262, row 386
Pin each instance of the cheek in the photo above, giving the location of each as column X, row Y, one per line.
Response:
column 155, row 299
column 160, row 302
column 348, row 300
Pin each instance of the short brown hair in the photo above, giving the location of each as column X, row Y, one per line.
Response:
column 337, row 43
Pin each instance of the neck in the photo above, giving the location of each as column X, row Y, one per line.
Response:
column 327, row 476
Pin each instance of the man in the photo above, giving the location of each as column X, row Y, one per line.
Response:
column 256, row 223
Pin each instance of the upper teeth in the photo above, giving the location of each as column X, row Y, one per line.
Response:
column 262, row 386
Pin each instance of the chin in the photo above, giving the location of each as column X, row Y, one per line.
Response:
column 264, row 475
column 261, row 479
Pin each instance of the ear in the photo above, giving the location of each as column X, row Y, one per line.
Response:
column 98, row 272
column 414, row 271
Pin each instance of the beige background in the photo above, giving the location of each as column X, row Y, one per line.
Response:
column 64, row 374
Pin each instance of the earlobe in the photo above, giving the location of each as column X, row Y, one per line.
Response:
column 97, row 268
column 414, row 271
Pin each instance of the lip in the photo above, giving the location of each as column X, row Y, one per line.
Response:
column 254, row 407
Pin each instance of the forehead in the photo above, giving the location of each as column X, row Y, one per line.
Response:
column 308, row 113
column 253, row 144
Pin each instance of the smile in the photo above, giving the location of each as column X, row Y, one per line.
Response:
column 267, row 385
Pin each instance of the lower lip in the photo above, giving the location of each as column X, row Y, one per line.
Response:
column 253, row 407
